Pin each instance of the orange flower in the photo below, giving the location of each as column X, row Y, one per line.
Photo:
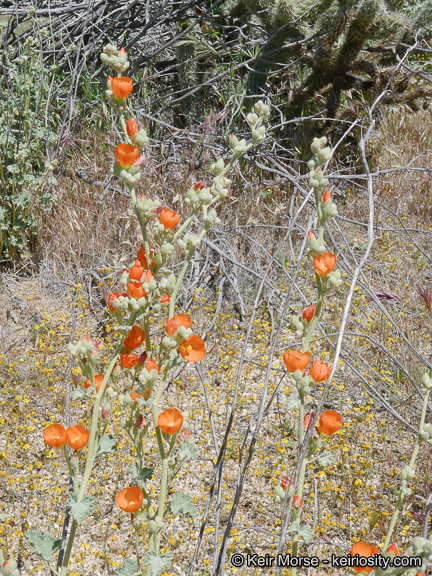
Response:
column 329, row 422
column 135, row 290
column 325, row 263
column 392, row 549
column 113, row 296
column 307, row 421
column 326, row 196
column 152, row 365
column 173, row 324
column 169, row 219
column 98, row 381
column 131, row 127
column 295, row 360
column 165, row 299
column 135, row 394
column 297, row 502
column 319, row 371
column 141, row 255
column 364, row 550
column 121, row 87
column 136, row 271
column 128, row 361
column 170, row 421
column 122, row 51
column 77, row 437
column 55, row 436
column 126, row 155
column 135, row 338
column 285, row 482
column 130, row 499
column 308, row 313
column 310, row 235
column 192, row 349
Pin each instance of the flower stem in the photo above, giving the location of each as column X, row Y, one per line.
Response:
column 410, row 467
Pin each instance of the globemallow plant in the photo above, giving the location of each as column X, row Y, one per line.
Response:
column 138, row 371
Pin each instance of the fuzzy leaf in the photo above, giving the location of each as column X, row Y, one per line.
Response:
column 182, row 504
column 107, row 445
column 306, row 533
column 77, row 394
column 293, row 402
column 44, row 545
column 128, row 568
column 187, row 450
column 80, row 510
column 157, row 563
column 326, row 459
column 4, row 517
column 143, row 474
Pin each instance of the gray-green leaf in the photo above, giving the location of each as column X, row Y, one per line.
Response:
column 44, row 545
column 157, row 563
column 128, row 568
column 80, row 510
column 306, row 533
column 182, row 504
column 188, row 450
column 326, row 459
column 107, row 445
column 293, row 402
column 77, row 394
column 143, row 474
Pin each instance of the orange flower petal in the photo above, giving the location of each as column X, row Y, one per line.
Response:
column 55, row 435
column 77, row 437
column 121, row 87
column 325, row 263
column 296, row 360
column 193, row 349
column 170, row 421
column 135, row 338
column 126, row 155
column 130, row 499
column 329, row 422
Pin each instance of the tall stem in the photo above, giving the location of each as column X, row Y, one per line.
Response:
column 91, row 448
column 410, row 467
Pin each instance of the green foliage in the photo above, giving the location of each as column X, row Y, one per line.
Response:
column 43, row 545
column 182, row 504
column 140, row 475
column 128, row 568
column 326, row 39
column 28, row 125
column 106, row 445
column 158, row 564
column 80, row 510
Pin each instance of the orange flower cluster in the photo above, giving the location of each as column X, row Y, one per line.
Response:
column 56, row 436
column 192, row 349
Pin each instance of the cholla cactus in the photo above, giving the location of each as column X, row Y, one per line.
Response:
column 338, row 31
